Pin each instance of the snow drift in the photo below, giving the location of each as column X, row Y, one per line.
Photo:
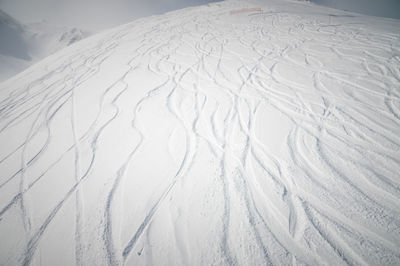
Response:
column 205, row 137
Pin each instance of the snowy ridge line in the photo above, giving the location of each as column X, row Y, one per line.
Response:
column 245, row 10
column 197, row 137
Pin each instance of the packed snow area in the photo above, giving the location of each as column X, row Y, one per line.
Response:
column 236, row 133
column 23, row 45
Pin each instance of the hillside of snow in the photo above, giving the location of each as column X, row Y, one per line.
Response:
column 23, row 45
column 235, row 133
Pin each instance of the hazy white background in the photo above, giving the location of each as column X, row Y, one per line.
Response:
column 383, row 8
column 90, row 14
column 100, row 14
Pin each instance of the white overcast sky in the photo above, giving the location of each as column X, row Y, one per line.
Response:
column 90, row 14
column 100, row 14
column 383, row 8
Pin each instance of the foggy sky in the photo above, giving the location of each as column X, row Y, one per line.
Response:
column 382, row 8
column 100, row 14
column 90, row 14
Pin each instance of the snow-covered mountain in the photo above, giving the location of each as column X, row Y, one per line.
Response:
column 23, row 45
column 236, row 133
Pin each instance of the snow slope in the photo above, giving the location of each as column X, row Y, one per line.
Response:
column 201, row 137
column 23, row 45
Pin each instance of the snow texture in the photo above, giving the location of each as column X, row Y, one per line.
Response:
column 208, row 137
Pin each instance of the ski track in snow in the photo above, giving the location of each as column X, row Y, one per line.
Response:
column 198, row 137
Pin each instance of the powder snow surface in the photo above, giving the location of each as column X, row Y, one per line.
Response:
column 208, row 137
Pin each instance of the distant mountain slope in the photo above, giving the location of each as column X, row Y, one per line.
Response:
column 13, row 41
column 22, row 45
column 237, row 133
